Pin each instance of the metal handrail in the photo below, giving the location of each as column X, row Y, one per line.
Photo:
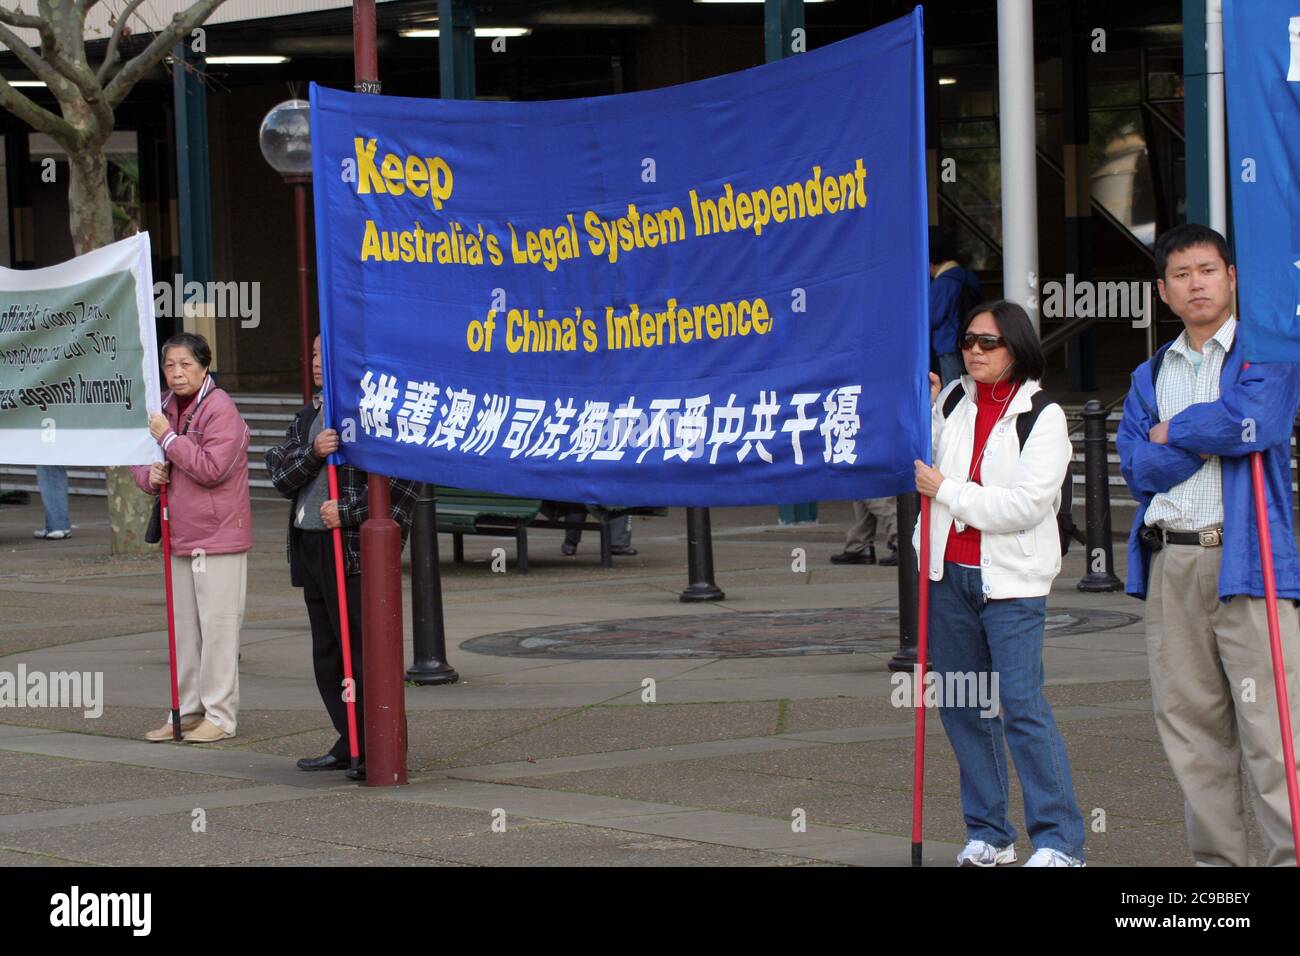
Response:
column 1165, row 121
column 1072, row 327
column 1069, row 330
column 968, row 221
column 1099, row 208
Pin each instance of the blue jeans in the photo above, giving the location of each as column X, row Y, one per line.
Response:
column 1002, row 637
column 53, row 482
column 951, row 366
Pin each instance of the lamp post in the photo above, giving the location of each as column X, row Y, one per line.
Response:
column 285, row 139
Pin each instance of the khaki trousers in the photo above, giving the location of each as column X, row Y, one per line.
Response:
column 208, row 602
column 1215, row 705
column 867, row 514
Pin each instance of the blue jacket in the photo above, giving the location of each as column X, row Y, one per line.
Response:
column 951, row 295
column 1268, row 394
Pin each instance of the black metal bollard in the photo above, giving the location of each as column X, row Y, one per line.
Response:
column 428, row 633
column 909, row 584
column 1100, row 557
column 699, row 558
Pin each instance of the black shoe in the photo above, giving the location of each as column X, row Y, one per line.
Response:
column 890, row 560
column 326, row 762
column 855, row 557
column 623, row 551
column 357, row 773
column 569, row 549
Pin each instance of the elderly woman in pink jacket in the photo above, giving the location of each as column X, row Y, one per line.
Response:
column 205, row 443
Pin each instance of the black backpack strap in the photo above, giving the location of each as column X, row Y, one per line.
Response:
column 1025, row 420
column 953, row 398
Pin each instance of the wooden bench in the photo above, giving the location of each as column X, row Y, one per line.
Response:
column 462, row 512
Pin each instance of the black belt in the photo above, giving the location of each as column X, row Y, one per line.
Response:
column 1210, row 538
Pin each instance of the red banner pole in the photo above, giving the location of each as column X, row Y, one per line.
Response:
column 1275, row 646
column 918, row 680
column 171, row 614
column 345, row 628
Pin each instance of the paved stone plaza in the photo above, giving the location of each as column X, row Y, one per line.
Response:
column 774, row 701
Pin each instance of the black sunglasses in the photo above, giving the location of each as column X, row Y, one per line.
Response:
column 987, row 342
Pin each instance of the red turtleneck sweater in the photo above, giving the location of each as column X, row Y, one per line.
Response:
column 992, row 401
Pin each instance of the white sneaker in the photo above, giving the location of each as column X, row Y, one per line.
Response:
column 1049, row 857
column 52, row 535
column 979, row 853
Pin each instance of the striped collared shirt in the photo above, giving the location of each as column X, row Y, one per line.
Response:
column 1197, row 503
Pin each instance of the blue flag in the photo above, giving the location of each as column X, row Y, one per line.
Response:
column 711, row 294
column 1261, row 46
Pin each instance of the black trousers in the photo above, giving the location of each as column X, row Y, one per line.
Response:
column 320, row 593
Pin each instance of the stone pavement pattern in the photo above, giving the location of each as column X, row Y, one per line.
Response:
column 563, row 752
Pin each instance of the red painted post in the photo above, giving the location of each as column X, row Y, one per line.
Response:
column 383, row 665
column 299, row 184
column 381, row 547
column 364, row 52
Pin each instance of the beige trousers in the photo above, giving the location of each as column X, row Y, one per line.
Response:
column 868, row 514
column 1215, row 704
column 208, row 601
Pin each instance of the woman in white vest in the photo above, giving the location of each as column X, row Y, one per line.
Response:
column 994, row 551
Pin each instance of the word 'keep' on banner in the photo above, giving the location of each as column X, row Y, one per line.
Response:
column 711, row 294
column 78, row 359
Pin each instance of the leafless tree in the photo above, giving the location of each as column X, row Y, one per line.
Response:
column 88, row 95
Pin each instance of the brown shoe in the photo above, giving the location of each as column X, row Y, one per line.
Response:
column 164, row 732
column 206, row 732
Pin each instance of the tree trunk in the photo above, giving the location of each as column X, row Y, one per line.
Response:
column 90, row 208
column 90, row 213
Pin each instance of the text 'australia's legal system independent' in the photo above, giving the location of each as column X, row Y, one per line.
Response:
column 529, row 329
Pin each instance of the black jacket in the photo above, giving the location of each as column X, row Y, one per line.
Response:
column 292, row 465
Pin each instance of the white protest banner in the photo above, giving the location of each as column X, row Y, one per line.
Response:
column 79, row 360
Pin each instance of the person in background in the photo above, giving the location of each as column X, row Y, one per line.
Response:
column 954, row 290
column 297, row 469
column 1194, row 414
column 53, row 482
column 859, row 545
column 620, row 529
column 204, row 442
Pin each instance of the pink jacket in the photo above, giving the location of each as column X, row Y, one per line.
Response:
column 208, row 494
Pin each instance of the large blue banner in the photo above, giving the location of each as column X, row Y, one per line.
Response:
column 711, row 294
column 1261, row 46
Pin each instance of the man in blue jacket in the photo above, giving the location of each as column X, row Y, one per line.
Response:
column 1193, row 416
column 954, row 291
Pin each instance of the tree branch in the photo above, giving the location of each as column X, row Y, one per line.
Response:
column 16, row 18
column 36, row 116
column 93, row 94
column 85, row 5
column 32, row 60
column 63, row 77
column 182, row 23
column 119, row 28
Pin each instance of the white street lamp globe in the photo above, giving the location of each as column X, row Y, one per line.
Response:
column 285, row 138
